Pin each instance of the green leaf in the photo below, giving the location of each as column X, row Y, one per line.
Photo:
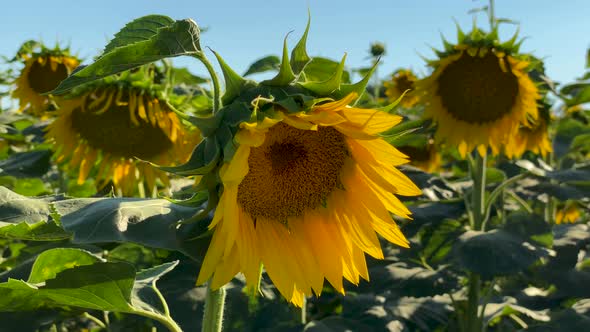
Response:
column 40, row 231
column 529, row 226
column 438, row 239
column 26, row 48
column 567, row 131
column 425, row 312
column 138, row 255
column 26, row 164
column 86, row 189
column 508, row 306
column 268, row 63
column 571, row 235
column 579, row 176
column 103, row 220
column 358, row 87
column 324, row 88
column 299, row 57
column 336, row 324
column 322, row 69
column 494, row 175
column 567, row 320
column 203, row 159
column 144, row 296
column 436, row 212
column 405, row 280
column 285, row 75
column 30, row 187
column 183, row 75
column 176, row 39
column 140, row 29
column 562, row 192
column 51, row 262
column 234, row 83
column 100, row 286
column 125, row 220
column 15, row 208
column 579, row 93
column 581, row 143
column 495, row 253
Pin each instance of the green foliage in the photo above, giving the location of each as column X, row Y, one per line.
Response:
column 63, row 278
column 268, row 63
column 145, row 40
column 101, row 220
column 285, row 74
column 26, row 164
column 496, row 253
column 84, row 262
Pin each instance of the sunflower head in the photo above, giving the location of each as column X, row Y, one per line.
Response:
column 402, row 81
column 568, row 213
column 377, row 49
column 479, row 92
column 105, row 128
column 43, row 70
column 532, row 136
column 301, row 181
column 422, row 152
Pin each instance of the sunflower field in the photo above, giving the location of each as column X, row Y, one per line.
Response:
column 138, row 196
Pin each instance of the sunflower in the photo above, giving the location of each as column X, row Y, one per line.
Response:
column 534, row 137
column 401, row 81
column 569, row 213
column 479, row 93
column 423, row 154
column 304, row 195
column 42, row 73
column 110, row 127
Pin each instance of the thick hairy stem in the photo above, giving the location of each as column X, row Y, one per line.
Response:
column 214, row 305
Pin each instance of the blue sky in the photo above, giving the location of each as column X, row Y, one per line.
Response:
column 243, row 31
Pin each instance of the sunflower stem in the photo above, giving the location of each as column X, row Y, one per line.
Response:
column 94, row 319
column 304, row 311
column 214, row 79
column 492, row 15
column 478, row 207
column 214, row 306
column 479, row 189
column 376, row 75
column 473, row 321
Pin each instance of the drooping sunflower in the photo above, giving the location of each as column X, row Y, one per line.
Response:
column 401, row 81
column 305, row 181
column 423, row 153
column 305, row 195
column 109, row 127
column 479, row 92
column 42, row 72
column 532, row 137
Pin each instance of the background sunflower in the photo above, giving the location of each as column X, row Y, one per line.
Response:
column 402, row 80
column 532, row 137
column 479, row 93
column 109, row 125
column 43, row 70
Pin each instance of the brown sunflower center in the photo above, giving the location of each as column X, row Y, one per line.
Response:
column 476, row 89
column 114, row 133
column 404, row 82
column 43, row 79
column 419, row 154
column 293, row 171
